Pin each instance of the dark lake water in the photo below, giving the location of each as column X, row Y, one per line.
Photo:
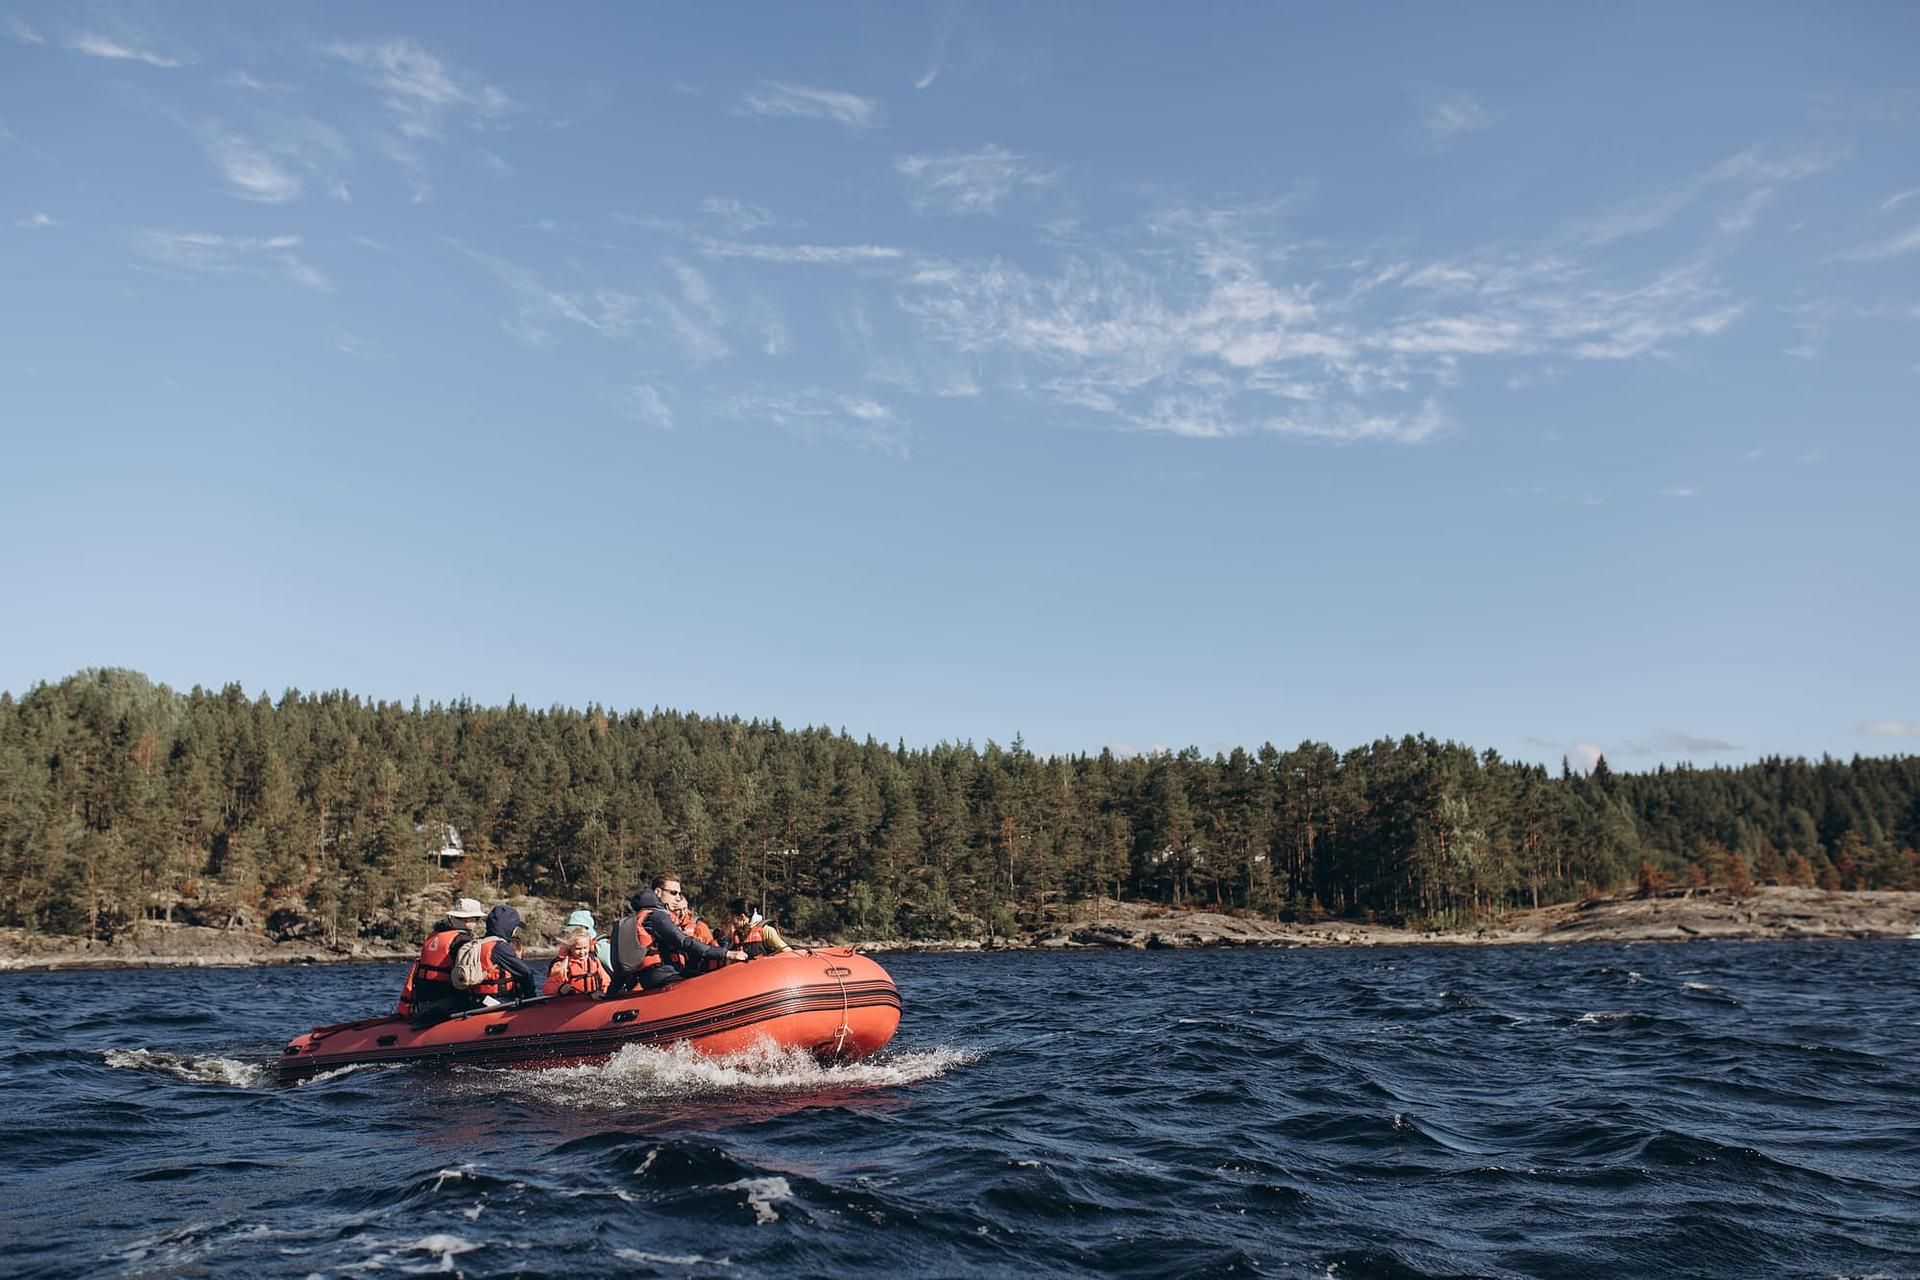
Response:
column 1712, row 1110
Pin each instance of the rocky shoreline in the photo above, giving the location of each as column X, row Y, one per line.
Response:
column 1766, row 914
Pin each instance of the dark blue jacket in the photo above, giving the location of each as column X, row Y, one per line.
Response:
column 501, row 922
column 670, row 938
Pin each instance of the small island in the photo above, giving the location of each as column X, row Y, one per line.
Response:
column 144, row 826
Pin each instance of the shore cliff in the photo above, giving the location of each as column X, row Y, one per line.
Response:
column 1765, row 914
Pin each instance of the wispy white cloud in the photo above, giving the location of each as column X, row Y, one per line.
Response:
column 702, row 341
column 739, row 216
column 1680, row 491
column 243, row 80
column 251, row 173
column 17, row 30
column 1211, row 321
column 1199, row 330
column 37, row 222
column 967, row 181
column 835, row 255
column 689, row 314
column 1743, row 214
column 776, row 339
column 1891, row 728
column 421, row 90
column 1445, row 118
column 1751, row 176
column 274, row 168
column 209, row 253
column 806, row 254
column 642, row 403
column 99, row 46
column 1906, row 242
column 776, row 99
column 944, row 22
column 1349, row 424
column 352, row 344
column 1677, row 742
column 815, row 414
column 539, row 307
column 1897, row 199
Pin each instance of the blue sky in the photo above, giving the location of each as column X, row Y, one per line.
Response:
column 1109, row 375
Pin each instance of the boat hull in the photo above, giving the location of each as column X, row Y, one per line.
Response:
column 833, row 1003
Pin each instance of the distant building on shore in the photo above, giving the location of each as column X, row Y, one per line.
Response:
column 443, row 843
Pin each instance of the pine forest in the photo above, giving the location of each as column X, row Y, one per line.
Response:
column 123, row 800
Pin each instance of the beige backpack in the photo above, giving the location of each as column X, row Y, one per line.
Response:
column 470, row 966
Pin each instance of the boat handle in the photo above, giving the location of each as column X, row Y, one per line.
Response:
column 387, row 1040
column 625, row 1015
column 496, row 1028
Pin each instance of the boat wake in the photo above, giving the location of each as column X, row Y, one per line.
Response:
column 210, row 1069
column 642, row 1073
column 197, row 1068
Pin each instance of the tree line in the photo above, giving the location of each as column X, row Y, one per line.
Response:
column 123, row 800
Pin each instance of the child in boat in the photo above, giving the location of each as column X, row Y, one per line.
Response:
column 576, row 969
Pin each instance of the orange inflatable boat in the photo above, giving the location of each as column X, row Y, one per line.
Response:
column 834, row 1003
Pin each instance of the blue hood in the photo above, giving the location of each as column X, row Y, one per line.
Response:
column 502, row 921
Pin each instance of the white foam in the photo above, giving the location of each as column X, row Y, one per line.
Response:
column 1699, row 986
column 1594, row 1019
column 448, row 1247
column 441, row 1246
column 670, row 1259
column 640, row 1073
column 762, row 1195
column 459, row 1173
column 321, row 1076
column 200, row 1070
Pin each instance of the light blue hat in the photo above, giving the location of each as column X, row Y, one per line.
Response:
column 581, row 919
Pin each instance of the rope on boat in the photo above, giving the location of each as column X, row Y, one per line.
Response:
column 840, row 1036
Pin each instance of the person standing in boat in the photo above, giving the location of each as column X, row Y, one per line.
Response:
column 751, row 933
column 429, row 993
column 651, row 950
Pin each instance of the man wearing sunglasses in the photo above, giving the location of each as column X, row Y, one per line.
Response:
column 653, row 951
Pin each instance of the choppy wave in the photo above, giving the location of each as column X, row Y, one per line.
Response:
column 1704, row 1110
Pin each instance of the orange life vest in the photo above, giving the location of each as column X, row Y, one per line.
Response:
column 574, row 974
column 738, row 941
column 434, row 965
column 497, row 980
column 693, row 926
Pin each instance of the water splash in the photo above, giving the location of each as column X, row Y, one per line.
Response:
column 642, row 1073
column 198, row 1069
column 762, row 1195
